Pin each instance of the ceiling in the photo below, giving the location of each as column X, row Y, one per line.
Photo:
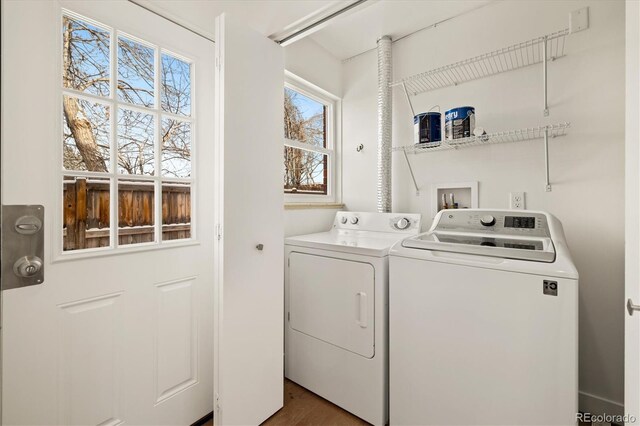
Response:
column 358, row 32
column 344, row 36
column 266, row 16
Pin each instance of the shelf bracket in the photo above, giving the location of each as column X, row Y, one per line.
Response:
column 544, row 75
column 546, row 160
column 413, row 113
column 413, row 177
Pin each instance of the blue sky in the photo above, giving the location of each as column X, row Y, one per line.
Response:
column 308, row 107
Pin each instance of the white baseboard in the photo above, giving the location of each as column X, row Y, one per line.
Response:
column 597, row 405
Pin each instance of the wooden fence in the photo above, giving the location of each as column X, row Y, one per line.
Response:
column 86, row 212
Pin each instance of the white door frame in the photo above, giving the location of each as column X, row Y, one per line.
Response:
column 632, row 207
column 2, row 41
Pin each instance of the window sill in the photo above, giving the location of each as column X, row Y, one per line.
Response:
column 308, row 206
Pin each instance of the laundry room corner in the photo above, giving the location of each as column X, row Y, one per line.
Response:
column 320, row 212
column 586, row 165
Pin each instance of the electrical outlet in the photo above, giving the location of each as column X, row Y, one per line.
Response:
column 516, row 200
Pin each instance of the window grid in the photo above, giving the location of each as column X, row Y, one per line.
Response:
column 115, row 104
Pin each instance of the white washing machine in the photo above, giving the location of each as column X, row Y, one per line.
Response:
column 483, row 314
column 336, row 286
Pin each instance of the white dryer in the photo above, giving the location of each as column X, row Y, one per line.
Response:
column 484, row 322
column 336, row 286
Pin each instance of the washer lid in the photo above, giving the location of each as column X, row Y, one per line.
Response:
column 522, row 248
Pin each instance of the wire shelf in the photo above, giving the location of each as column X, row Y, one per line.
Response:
column 521, row 135
column 510, row 58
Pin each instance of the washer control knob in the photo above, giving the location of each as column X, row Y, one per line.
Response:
column 343, row 220
column 403, row 223
column 354, row 220
column 488, row 220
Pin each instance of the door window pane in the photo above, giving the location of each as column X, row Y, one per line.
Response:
column 135, row 72
column 305, row 172
column 86, row 135
column 176, row 148
column 127, row 130
column 135, row 142
column 85, row 57
column 175, row 81
column 135, row 212
column 176, row 211
column 305, row 119
column 85, row 212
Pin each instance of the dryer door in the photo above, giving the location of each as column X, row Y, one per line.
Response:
column 333, row 300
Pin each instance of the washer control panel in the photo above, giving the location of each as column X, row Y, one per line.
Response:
column 517, row 222
column 378, row 222
column 520, row 222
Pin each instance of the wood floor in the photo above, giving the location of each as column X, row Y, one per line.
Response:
column 305, row 408
column 302, row 407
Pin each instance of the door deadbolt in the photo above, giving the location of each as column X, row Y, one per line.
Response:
column 27, row 266
column 22, row 252
column 28, row 225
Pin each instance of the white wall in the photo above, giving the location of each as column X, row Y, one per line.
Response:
column 587, row 166
column 310, row 61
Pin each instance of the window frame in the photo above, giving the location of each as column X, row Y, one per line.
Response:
column 333, row 142
column 113, row 175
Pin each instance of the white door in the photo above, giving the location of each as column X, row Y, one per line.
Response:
column 632, row 207
column 107, row 121
column 249, row 341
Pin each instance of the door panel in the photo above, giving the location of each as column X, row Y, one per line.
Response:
column 124, row 337
column 91, row 333
column 333, row 300
column 177, row 338
column 250, row 330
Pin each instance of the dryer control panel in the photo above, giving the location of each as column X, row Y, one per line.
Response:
column 407, row 223
column 518, row 222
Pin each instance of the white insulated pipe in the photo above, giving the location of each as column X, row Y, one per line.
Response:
column 384, row 124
